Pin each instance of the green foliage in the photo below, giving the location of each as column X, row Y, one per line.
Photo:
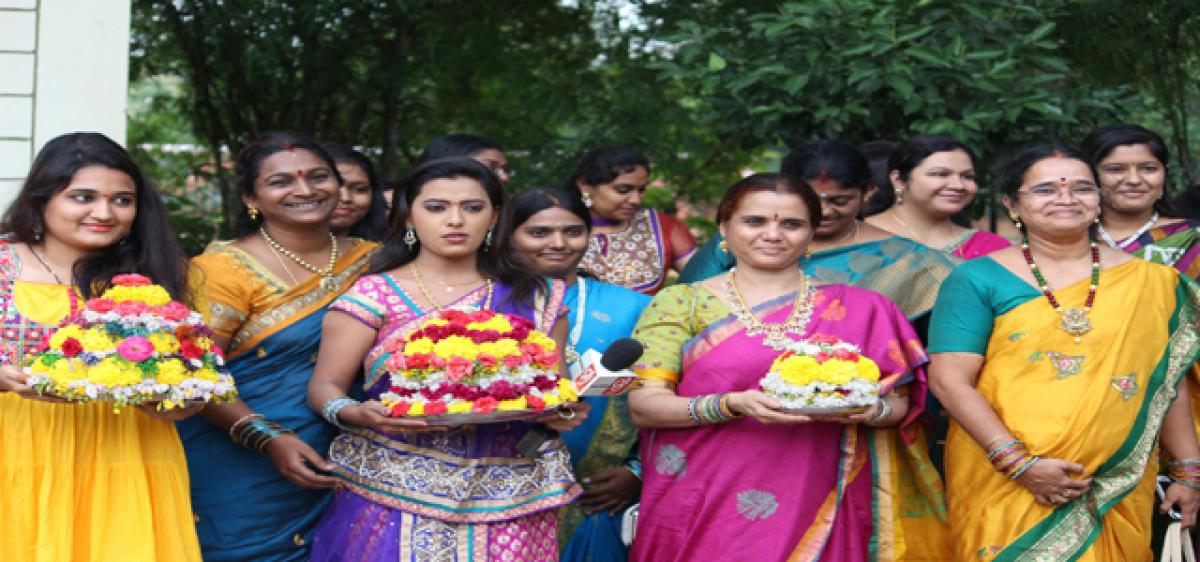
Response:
column 989, row 72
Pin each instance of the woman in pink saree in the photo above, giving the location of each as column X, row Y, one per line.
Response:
column 727, row 474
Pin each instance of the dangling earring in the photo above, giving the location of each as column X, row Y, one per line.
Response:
column 37, row 233
column 253, row 212
column 587, row 200
column 724, row 246
column 410, row 238
column 487, row 240
column 1016, row 220
column 899, row 196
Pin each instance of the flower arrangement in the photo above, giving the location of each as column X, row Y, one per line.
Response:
column 474, row 363
column 132, row 345
column 822, row 373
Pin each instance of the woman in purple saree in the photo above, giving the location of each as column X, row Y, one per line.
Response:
column 761, row 484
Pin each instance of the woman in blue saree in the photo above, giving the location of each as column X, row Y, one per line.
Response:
column 259, row 500
column 844, row 249
column 547, row 230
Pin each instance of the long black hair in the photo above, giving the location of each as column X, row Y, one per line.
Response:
column 877, row 153
column 1102, row 141
column 249, row 161
column 395, row 253
column 373, row 225
column 528, row 203
column 150, row 248
column 605, row 164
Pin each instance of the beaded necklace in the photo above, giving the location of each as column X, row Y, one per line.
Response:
column 1074, row 320
column 775, row 335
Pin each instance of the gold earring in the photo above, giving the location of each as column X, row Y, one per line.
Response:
column 253, row 212
column 1016, row 220
column 899, row 196
column 724, row 246
column 587, row 200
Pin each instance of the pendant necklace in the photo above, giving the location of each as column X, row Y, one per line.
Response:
column 327, row 280
column 1132, row 237
column 774, row 335
column 1074, row 320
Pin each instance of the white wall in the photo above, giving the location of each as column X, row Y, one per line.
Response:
column 64, row 67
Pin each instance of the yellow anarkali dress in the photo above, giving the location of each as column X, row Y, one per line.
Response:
column 80, row 482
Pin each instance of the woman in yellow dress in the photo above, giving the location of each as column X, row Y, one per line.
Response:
column 259, row 498
column 82, row 482
column 1061, row 364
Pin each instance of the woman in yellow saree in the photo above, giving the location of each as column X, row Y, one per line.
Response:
column 1062, row 384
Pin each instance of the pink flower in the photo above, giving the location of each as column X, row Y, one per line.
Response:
column 399, row 409
column 821, row 357
column 486, row 360
column 217, row 351
column 845, row 355
column 535, row 402
column 435, row 407
column 396, row 362
column 131, row 280
column 135, row 348
column 457, row 368
column 513, row 361
column 547, row 358
column 174, row 311
column 101, row 305
column 131, row 308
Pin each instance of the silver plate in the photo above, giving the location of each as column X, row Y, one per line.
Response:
column 450, row 420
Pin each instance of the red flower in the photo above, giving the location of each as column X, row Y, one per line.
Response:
column 417, row 360
column 823, row 339
column 484, row 405
column 545, row 383
column 437, row 362
column 183, row 332
column 71, row 347
column 456, row 316
column 845, row 355
column 821, row 357
column 435, row 407
column 502, row 390
column 486, row 360
column 174, row 311
column 547, row 358
column 101, row 305
column 400, row 408
column 513, row 361
column 217, row 351
column 519, row 333
column 131, row 280
column 481, row 315
column 131, row 308
column 535, row 402
column 189, row 350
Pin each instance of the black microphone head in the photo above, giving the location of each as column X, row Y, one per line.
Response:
column 621, row 354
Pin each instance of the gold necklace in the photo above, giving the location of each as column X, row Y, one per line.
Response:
column 915, row 237
column 286, row 269
column 775, row 334
column 327, row 281
column 416, row 273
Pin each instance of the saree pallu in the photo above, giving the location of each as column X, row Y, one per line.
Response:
column 606, row 439
column 904, row 271
column 744, row 490
column 245, row 509
column 640, row 256
column 1099, row 403
column 1176, row 245
column 464, row 494
column 976, row 243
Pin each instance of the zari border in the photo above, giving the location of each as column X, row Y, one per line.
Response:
column 1071, row 529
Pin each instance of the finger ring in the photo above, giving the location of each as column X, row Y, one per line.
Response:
column 563, row 414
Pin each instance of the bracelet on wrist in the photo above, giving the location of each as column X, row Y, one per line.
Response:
column 708, row 409
column 334, row 405
column 1185, row 472
column 634, row 465
column 882, row 413
column 1012, row 459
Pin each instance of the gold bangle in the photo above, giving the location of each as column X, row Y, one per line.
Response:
column 653, row 383
column 723, row 404
column 233, row 429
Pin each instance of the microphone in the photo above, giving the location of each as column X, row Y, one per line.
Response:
column 606, row 374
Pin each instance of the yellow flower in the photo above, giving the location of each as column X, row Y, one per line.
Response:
column 171, row 371
column 867, row 369
column 204, row 343
column 540, row 339
column 60, row 336
column 498, row 323
column 164, row 343
column 153, row 295
column 511, row 405
column 500, row 349
column 419, row 345
column 96, row 339
column 416, row 409
column 798, row 370
column 460, row 346
column 838, row 371
column 566, row 391
column 551, row 399
column 207, row 374
column 459, row 408
column 113, row 371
